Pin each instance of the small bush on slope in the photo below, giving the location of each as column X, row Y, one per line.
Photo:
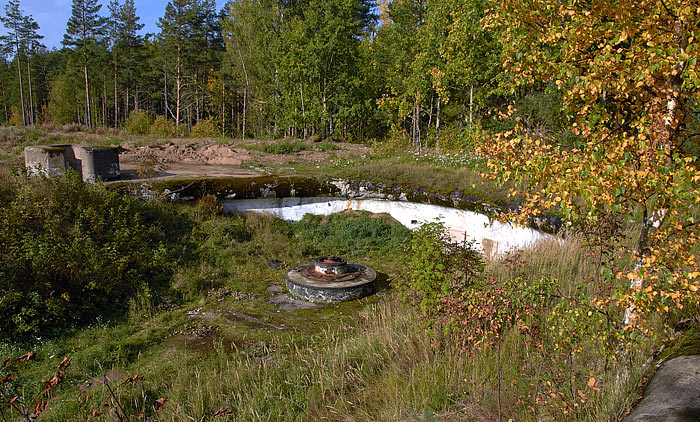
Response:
column 70, row 251
column 138, row 123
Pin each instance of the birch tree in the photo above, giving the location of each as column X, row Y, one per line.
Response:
column 629, row 77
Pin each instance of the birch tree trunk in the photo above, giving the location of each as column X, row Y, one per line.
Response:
column 245, row 109
column 437, row 125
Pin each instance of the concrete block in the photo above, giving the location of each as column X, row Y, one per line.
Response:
column 92, row 163
column 45, row 160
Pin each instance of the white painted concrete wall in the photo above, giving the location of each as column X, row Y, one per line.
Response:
column 475, row 227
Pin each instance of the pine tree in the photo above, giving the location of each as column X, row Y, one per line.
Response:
column 126, row 49
column 176, row 26
column 31, row 36
column 84, row 30
column 113, row 29
column 13, row 42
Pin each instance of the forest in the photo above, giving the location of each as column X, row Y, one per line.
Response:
column 262, row 68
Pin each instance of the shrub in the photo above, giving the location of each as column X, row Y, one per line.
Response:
column 437, row 267
column 16, row 117
column 209, row 206
column 70, row 251
column 138, row 122
column 205, row 128
column 162, row 127
column 352, row 234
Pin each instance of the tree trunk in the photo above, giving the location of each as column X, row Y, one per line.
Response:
column 88, row 117
column 165, row 95
column 664, row 138
column 31, row 94
column 430, row 120
column 245, row 99
column 196, row 98
column 649, row 223
column 178, row 87
column 437, row 126
column 104, row 100
column 116, row 97
column 4, row 102
column 245, row 89
column 223, row 108
column 416, row 123
column 21, row 89
column 303, row 111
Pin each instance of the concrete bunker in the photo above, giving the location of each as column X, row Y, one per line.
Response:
column 91, row 162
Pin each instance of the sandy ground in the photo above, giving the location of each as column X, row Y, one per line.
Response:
column 206, row 157
column 190, row 157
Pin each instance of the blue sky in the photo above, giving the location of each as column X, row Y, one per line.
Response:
column 52, row 15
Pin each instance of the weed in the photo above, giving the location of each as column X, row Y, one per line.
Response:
column 351, row 234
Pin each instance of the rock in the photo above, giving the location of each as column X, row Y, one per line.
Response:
column 276, row 264
column 673, row 395
column 275, row 288
column 288, row 304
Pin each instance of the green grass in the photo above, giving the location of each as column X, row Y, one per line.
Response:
column 360, row 361
column 368, row 360
column 327, row 146
column 437, row 173
column 279, row 148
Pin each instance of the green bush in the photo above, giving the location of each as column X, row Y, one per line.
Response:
column 163, row 127
column 205, row 128
column 351, row 234
column 437, row 267
column 71, row 251
column 138, row 122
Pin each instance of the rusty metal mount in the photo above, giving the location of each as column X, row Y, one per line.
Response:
column 310, row 273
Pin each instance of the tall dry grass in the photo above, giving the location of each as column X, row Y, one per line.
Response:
column 384, row 366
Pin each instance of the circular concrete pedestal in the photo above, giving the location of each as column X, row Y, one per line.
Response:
column 331, row 279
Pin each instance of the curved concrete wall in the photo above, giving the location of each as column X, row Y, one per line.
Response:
column 492, row 237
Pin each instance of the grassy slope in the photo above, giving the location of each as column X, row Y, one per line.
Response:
column 369, row 360
column 363, row 361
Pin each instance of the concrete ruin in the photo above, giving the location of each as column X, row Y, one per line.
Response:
column 91, row 162
column 331, row 279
